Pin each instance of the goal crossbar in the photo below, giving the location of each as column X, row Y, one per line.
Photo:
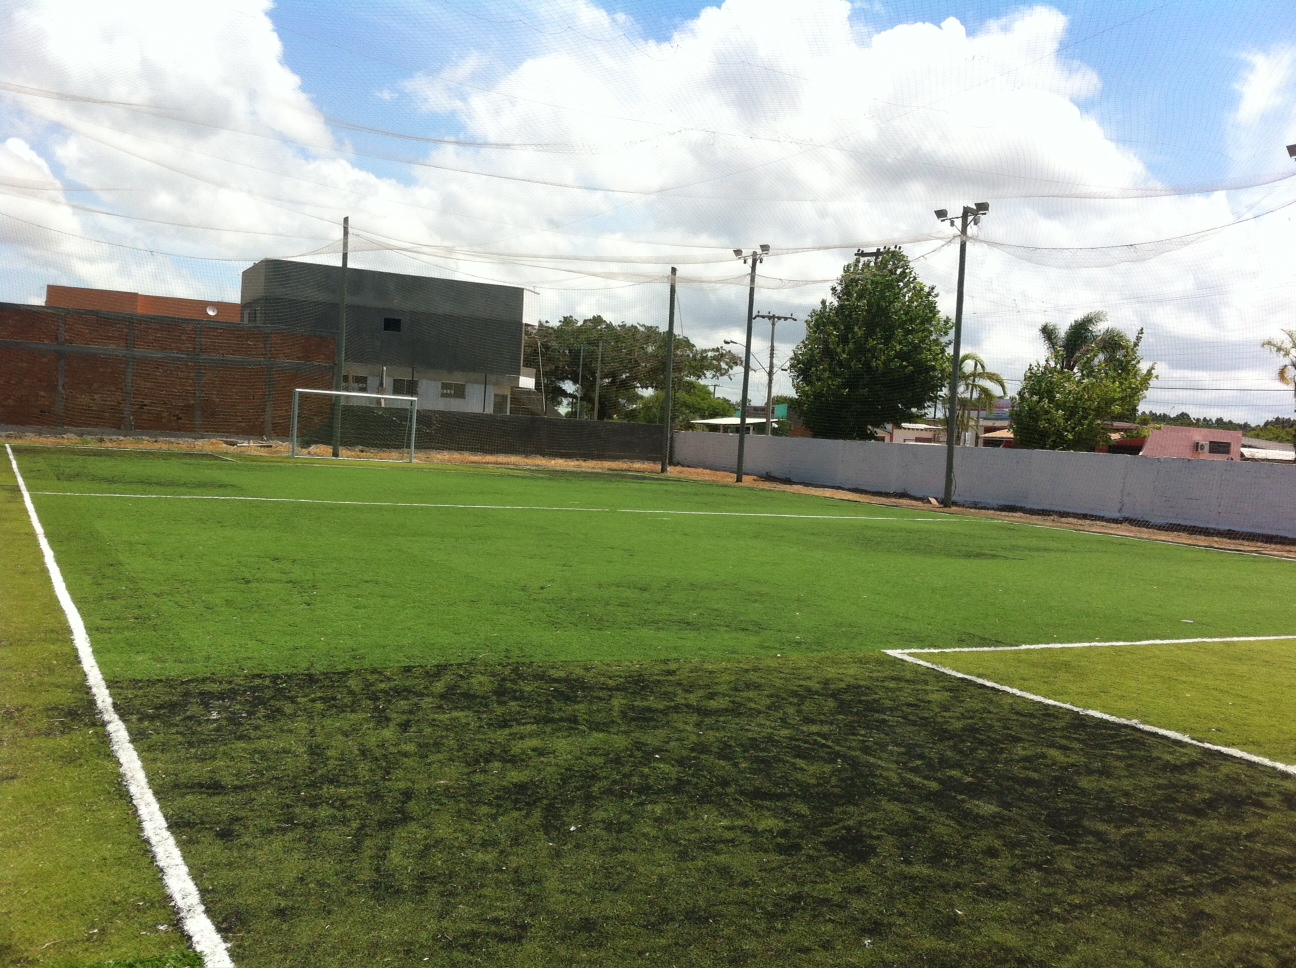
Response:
column 382, row 400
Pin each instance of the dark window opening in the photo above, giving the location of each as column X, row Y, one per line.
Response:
column 1220, row 447
column 405, row 388
column 391, row 324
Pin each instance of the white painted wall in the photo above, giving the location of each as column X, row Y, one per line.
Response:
column 1225, row 495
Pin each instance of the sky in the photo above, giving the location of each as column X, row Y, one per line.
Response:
column 1132, row 154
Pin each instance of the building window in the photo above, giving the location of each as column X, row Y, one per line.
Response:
column 501, row 402
column 355, row 384
column 405, row 388
column 391, row 324
column 250, row 315
column 454, row 391
column 1220, row 447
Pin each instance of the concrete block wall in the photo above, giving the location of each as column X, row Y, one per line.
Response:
column 1219, row 495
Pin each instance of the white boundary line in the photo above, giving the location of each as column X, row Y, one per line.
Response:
column 1097, row 645
column 206, row 940
column 488, row 507
column 906, row 655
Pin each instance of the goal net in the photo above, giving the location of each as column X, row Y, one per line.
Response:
column 342, row 423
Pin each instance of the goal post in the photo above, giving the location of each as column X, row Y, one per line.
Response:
column 371, row 426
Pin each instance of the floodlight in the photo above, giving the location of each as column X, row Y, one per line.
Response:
column 982, row 207
column 764, row 249
column 942, row 213
column 1291, row 150
column 738, row 253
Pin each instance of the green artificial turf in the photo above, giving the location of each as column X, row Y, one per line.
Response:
column 373, row 726
column 77, row 884
column 1238, row 694
column 816, row 810
column 176, row 587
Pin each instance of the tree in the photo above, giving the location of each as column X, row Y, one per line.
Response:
column 874, row 354
column 579, row 362
column 1088, row 378
column 691, row 401
column 1285, row 348
column 981, row 388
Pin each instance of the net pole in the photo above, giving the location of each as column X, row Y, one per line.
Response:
column 292, row 430
column 742, row 404
column 670, row 381
column 341, row 347
column 951, row 428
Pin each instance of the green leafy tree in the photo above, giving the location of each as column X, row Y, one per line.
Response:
column 874, row 354
column 980, row 388
column 691, row 401
column 1089, row 377
column 1285, row 347
column 578, row 362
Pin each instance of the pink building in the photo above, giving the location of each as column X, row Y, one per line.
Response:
column 1197, row 442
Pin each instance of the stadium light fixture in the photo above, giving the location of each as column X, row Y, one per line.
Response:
column 757, row 256
column 970, row 214
column 1291, row 150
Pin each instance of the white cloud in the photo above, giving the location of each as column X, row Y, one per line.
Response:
column 758, row 121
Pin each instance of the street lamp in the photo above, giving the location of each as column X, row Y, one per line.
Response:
column 973, row 214
column 755, row 257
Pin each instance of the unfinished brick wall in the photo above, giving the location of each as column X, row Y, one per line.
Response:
column 85, row 370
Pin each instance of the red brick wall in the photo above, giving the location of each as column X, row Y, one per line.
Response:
column 175, row 376
column 94, row 392
column 162, row 396
column 28, row 385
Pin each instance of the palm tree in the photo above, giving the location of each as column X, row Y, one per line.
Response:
column 1286, row 349
column 981, row 388
column 1081, row 339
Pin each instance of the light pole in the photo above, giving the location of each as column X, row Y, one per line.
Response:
column 972, row 214
column 755, row 257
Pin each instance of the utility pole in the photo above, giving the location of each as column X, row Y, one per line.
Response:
column 339, row 367
column 769, row 372
column 755, row 257
column 670, row 378
column 972, row 214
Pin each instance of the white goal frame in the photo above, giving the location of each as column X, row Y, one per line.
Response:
column 340, row 395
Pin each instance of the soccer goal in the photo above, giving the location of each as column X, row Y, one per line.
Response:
column 341, row 423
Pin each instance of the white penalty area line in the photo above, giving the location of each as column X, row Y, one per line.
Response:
column 909, row 655
column 1097, row 645
column 491, row 507
column 204, row 937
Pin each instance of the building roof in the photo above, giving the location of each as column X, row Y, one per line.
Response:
column 1264, row 453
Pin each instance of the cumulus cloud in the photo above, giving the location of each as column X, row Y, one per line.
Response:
column 589, row 157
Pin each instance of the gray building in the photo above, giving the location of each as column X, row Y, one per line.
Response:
column 455, row 345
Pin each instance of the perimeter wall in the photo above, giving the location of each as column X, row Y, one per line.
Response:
column 1220, row 495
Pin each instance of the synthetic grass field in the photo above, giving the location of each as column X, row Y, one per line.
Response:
column 399, row 714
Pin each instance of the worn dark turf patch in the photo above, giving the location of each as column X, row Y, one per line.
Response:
column 810, row 811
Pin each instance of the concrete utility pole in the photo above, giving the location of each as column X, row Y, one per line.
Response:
column 340, row 367
column 755, row 257
column 972, row 214
column 670, row 378
column 769, row 372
